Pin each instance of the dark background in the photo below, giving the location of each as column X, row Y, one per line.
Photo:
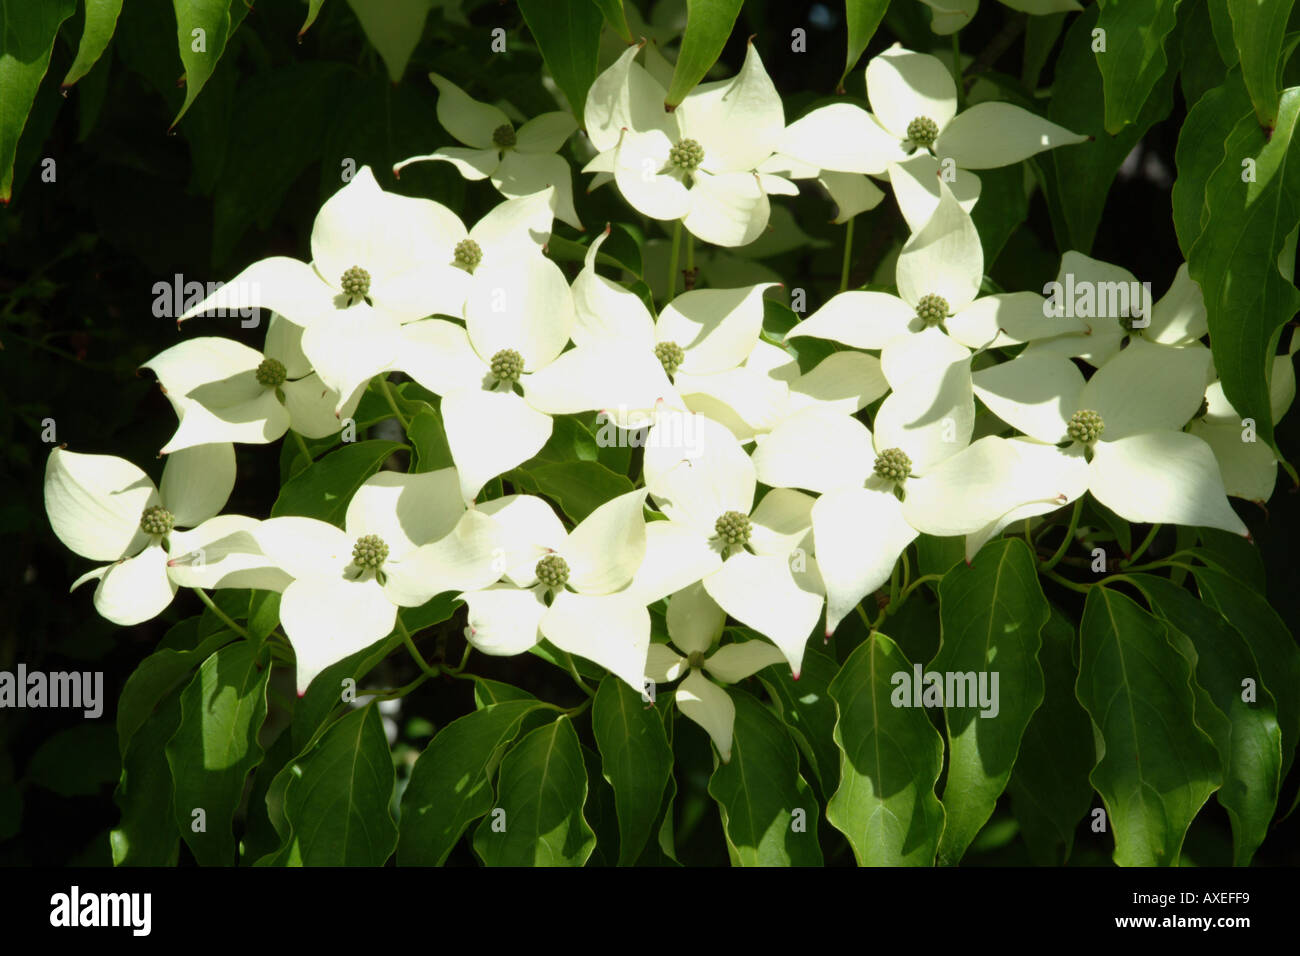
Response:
column 240, row 179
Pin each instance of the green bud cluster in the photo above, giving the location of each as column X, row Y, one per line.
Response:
column 892, row 464
column 1086, row 427
column 932, row 309
column 733, row 528
column 671, row 355
column 686, row 155
column 507, row 365
column 504, row 136
column 355, row 283
column 370, row 552
column 271, row 373
column 553, row 571
column 156, row 520
column 468, row 254
column 923, row 131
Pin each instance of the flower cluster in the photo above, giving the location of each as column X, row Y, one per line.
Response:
column 771, row 494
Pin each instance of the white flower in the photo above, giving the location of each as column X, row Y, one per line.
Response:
column 694, row 625
column 951, row 15
column 106, row 509
column 569, row 588
column 754, row 562
column 224, row 391
column 914, row 98
column 406, row 538
column 1124, row 426
column 699, row 163
column 939, row 273
column 520, row 162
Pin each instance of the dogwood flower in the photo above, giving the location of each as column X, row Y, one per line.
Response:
column 224, row 391
column 513, row 329
column 1116, row 308
column 570, row 588
column 519, row 162
column 753, row 561
column 939, row 273
column 694, row 625
column 406, row 538
column 380, row 260
column 106, row 509
column 949, row 16
column 699, row 163
column 914, row 98
column 1124, row 429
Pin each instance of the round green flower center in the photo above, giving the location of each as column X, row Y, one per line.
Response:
column 923, row 131
column 553, row 571
column 468, row 254
column 932, row 309
column 686, row 155
column 1086, row 427
column 892, row 464
column 271, row 373
column 733, row 528
column 156, row 520
column 356, row 283
column 504, row 136
column 507, row 365
column 695, row 659
column 671, row 355
column 369, row 552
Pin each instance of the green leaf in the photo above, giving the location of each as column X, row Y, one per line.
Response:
column 215, row 746
column 708, row 25
column 1235, row 260
column 891, row 757
column 568, row 35
column 1258, row 30
column 451, row 783
column 324, row 490
column 202, row 29
column 1221, row 27
column 313, row 11
column 325, row 693
column 769, row 813
column 541, row 792
column 1271, row 642
column 579, row 487
column 336, row 804
column 26, row 40
column 429, row 442
column 1134, row 57
column 488, row 692
column 101, row 21
column 158, row 675
column 1007, row 208
column 1200, row 153
column 616, row 18
column 863, row 18
column 1156, row 767
column 635, row 759
column 1199, row 47
column 806, row 708
column 1077, row 178
column 393, row 27
column 1049, row 788
column 1234, row 555
column 76, row 762
column 147, row 834
column 1251, row 748
column 992, row 612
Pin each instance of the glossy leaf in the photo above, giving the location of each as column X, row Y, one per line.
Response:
column 616, row 18
column 26, row 41
column 101, row 21
column 147, row 834
column 862, row 17
column 568, row 34
column 635, row 758
column 202, row 29
column 1200, row 153
column 1156, row 768
column 891, row 758
column 579, row 487
column 806, row 708
column 992, row 613
column 708, row 25
column 324, row 490
column 1258, row 31
column 393, row 28
column 1134, row 57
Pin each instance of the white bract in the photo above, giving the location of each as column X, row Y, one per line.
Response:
column 106, row 509
column 694, row 625
column 519, row 162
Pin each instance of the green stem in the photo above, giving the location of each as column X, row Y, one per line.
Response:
column 956, row 72
column 848, row 255
column 1065, row 582
column 1141, row 548
column 672, row 260
column 392, row 402
column 690, row 252
column 302, row 445
column 424, row 665
column 866, row 621
column 395, row 693
column 1055, row 559
column 225, row 618
column 577, row 678
column 917, row 583
column 893, row 587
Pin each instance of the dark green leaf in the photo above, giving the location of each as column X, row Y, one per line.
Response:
column 202, row 29
column 429, row 442
column 807, row 710
column 325, row 694
column 1156, row 767
column 1199, row 48
column 147, row 834
column 579, row 487
column 324, row 490
column 101, row 21
column 616, row 18
column 313, row 11
column 1258, row 29
column 863, row 18
column 1200, row 153
column 26, row 39
column 488, row 692
column 76, row 762
column 708, row 25
column 891, row 757
column 635, row 759
column 568, row 34
column 1134, row 57
column 1007, row 207
column 541, row 791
